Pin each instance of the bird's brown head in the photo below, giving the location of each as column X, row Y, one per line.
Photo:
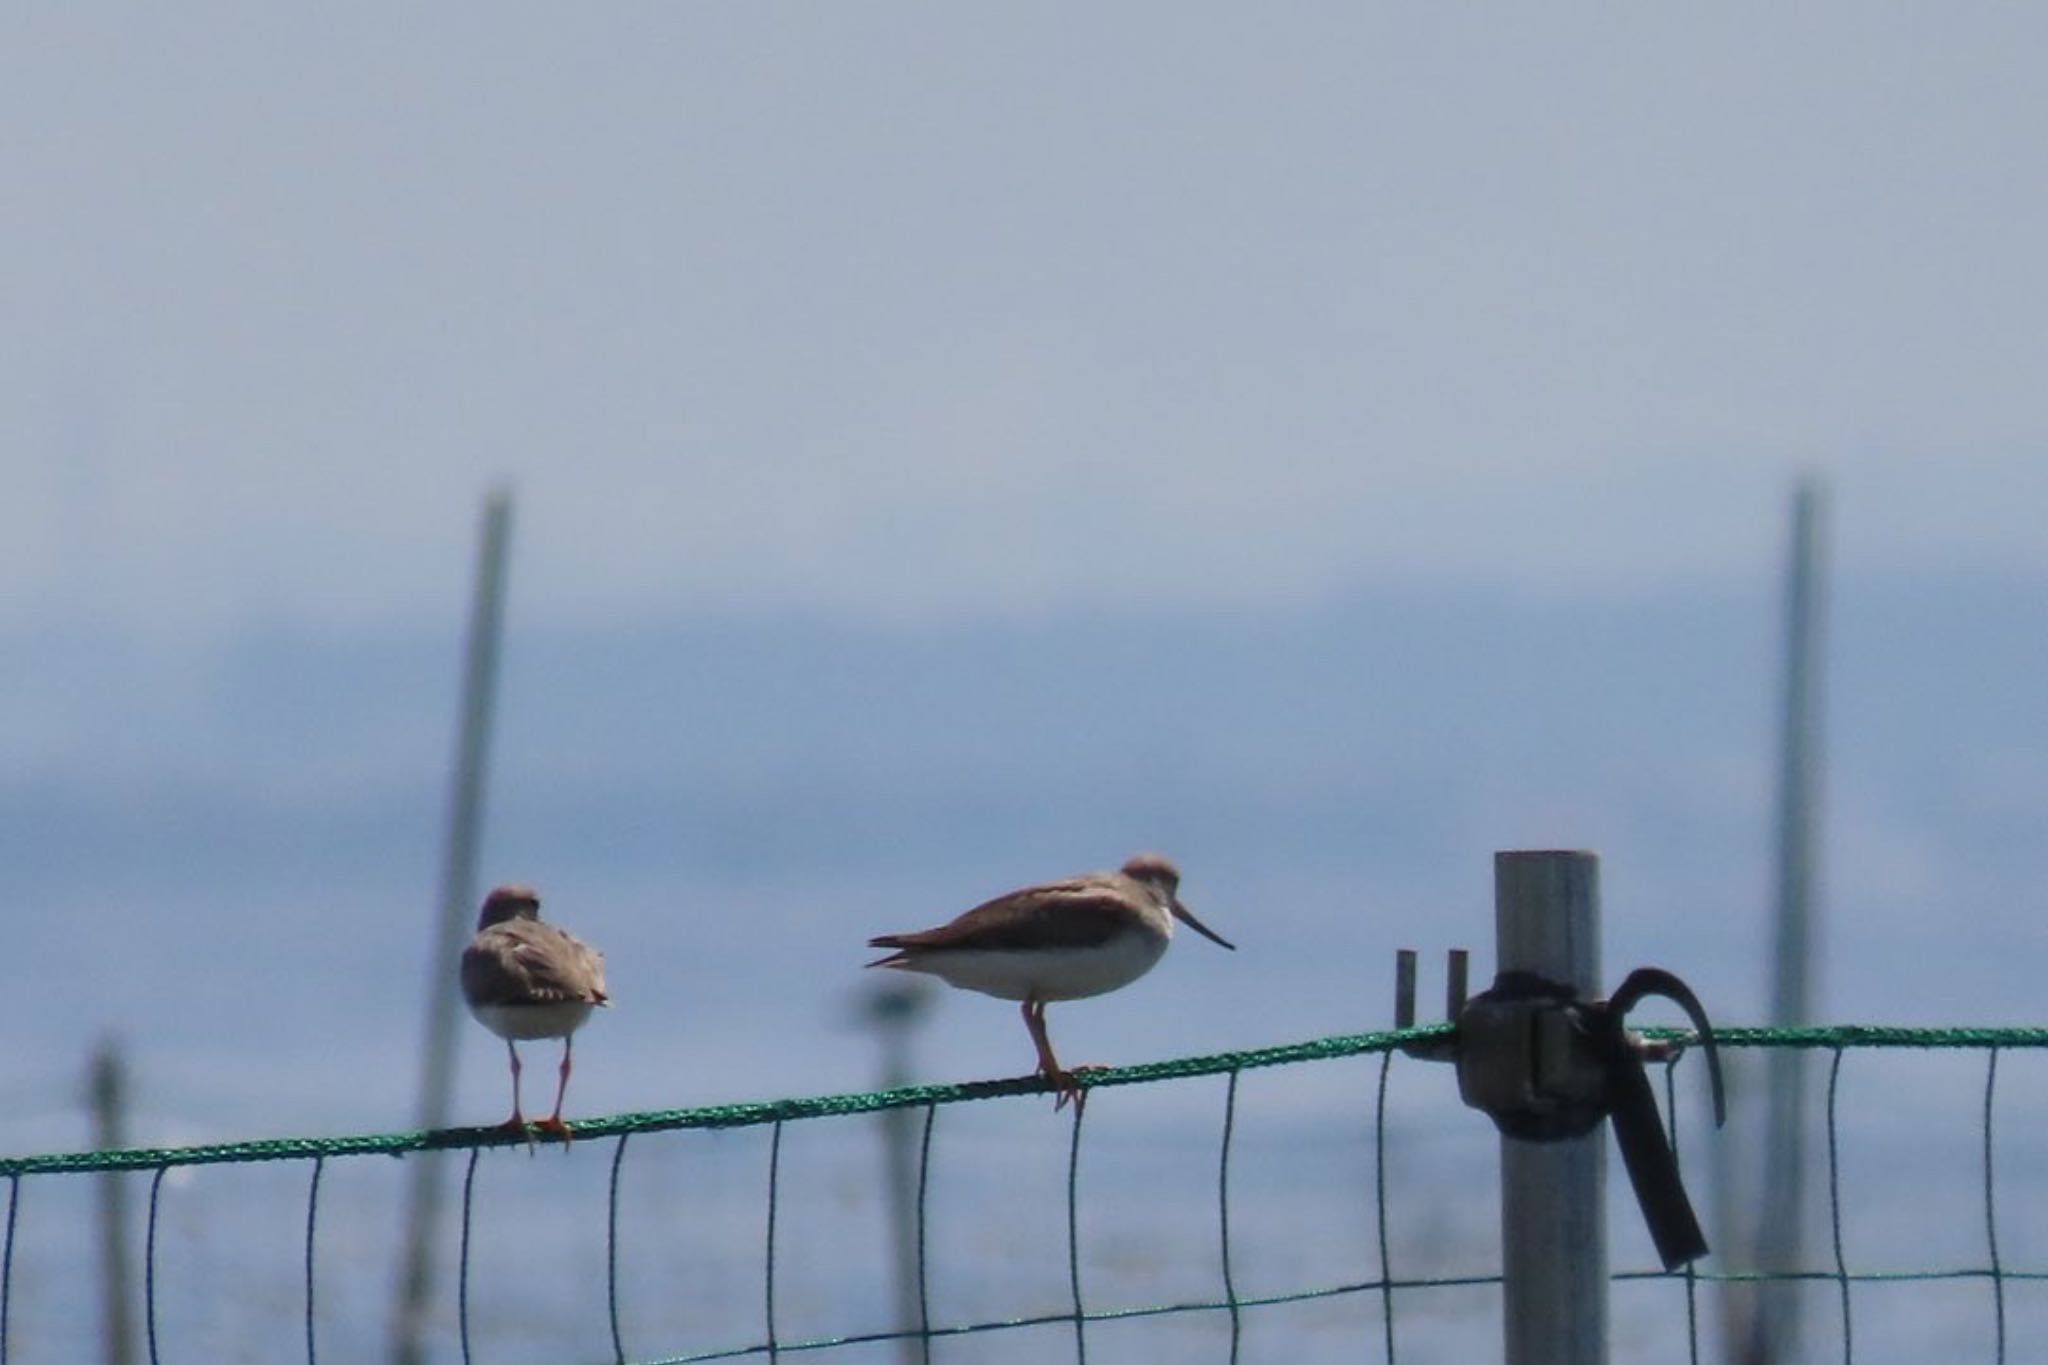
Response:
column 1159, row 873
column 512, row 901
column 1156, row 870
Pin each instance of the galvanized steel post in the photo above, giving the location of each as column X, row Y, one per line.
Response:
column 1553, row 1203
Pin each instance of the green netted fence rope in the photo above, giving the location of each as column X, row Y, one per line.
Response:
column 1837, row 1040
column 761, row 1112
column 752, row 1114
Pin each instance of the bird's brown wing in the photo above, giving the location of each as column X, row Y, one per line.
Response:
column 528, row 962
column 1083, row 912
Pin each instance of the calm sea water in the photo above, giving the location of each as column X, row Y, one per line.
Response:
column 750, row 990
column 236, row 883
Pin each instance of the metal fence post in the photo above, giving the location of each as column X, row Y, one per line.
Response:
column 1553, row 1205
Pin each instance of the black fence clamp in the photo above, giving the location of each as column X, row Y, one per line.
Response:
column 1547, row 1066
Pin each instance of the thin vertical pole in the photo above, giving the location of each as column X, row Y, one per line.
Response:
column 895, row 1009
column 457, row 903
column 1776, row 1326
column 108, row 1085
column 1553, row 1203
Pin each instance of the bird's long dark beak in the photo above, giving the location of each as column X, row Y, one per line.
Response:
column 1186, row 916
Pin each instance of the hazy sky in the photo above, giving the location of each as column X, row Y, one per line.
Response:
column 891, row 308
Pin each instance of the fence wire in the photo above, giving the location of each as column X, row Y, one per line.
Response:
column 22, row 1174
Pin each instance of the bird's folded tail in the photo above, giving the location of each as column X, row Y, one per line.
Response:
column 895, row 959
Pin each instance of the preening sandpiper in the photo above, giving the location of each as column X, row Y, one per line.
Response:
column 1062, row 940
column 525, row 979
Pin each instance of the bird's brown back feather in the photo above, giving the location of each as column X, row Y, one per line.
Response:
column 1083, row 912
column 530, row 962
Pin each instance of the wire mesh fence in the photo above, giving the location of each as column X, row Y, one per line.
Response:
column 1197, row 1204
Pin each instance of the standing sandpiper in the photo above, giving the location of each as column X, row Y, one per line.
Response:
column 1063, row 940
column 524, row 980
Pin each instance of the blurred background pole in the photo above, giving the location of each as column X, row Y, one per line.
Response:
column 457, row 906
column 1553, row 1195
column 894, row 1009
column 1780, row 1221
column 107, row 1087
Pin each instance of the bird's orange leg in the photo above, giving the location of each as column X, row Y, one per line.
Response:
column 552, row 1125
column 517, row 1123
column 1048, row 1065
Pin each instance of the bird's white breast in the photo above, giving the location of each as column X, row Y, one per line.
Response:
column 1045, row 973
column 556, row 1019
